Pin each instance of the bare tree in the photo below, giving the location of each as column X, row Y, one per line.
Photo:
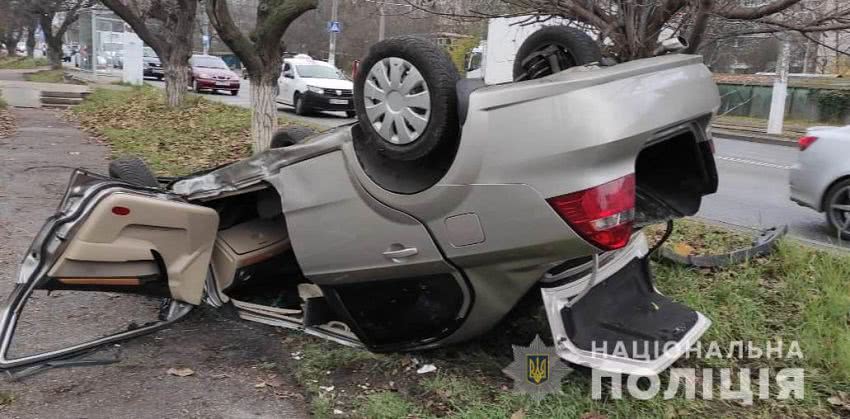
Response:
column 13, row 19
column 261, row 53
column 55, row 17
column 167, row 27
column 631, row 28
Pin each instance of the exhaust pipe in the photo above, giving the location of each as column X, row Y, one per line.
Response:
column 675, row 44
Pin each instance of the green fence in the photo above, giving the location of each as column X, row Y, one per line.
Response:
column 754, row 101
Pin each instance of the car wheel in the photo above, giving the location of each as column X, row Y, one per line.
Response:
column 300, row 106
column 554, row 49
column 234, row 93
column 133, row 170
column 405, row 98
column 837, row 208
column 288, row 136
column 350, row 114
column 159, row 78
column 195, row 86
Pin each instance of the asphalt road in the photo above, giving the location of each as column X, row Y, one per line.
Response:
column 754, row 191
column 321, row 119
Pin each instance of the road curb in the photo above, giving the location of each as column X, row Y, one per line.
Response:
column 736, row 135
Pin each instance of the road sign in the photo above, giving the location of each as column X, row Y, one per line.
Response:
column 334, row 26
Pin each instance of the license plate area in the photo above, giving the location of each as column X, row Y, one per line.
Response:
column 222, row 83
column 338, row 102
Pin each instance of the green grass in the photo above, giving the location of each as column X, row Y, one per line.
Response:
column 3, row 103
column 46, row 76
column 19, row 63
column 199, row 135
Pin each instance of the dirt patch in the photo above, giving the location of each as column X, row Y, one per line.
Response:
column 7, row 122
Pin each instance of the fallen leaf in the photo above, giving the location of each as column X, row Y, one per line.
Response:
column 519, row 414
column 180, row 372
column 261, row 384
column 683, row 249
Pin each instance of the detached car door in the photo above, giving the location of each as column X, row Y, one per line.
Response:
column 114, row 237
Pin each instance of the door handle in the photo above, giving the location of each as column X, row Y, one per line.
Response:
column 401, row 253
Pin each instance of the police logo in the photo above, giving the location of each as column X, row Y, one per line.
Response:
column 537, row 370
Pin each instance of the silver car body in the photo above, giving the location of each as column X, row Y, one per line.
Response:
column 486, row 224
column 822, row 164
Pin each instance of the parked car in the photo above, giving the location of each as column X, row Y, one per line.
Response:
column 151, row 66
column 212, row 73
column 312, row 85
column 424, row 223
column 820, row 179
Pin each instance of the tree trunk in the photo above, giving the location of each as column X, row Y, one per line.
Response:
column 11, row 46
column 54, row 53
column 176, row 79
column 31, row 40
column 263, row 110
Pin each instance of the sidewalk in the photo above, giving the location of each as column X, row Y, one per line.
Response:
column 18, row 92
column 223, row 352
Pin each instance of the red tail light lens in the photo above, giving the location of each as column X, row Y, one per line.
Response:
column 602, row 215
column 805, row 142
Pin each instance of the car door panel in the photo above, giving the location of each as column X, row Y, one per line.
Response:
column 109, row 236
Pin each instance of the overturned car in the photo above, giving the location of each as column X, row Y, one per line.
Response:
column 425, row 222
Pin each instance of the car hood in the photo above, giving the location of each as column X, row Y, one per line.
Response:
column 214, row 71
column 330, row 83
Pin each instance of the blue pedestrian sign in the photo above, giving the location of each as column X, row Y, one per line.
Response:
column 334, row 26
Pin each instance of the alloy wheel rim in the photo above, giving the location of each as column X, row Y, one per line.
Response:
column 840, row 209
column 398, row 101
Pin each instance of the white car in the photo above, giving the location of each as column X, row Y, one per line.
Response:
column 311, row 85
column 821, row 178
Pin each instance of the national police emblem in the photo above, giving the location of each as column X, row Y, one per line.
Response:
column 537, row 370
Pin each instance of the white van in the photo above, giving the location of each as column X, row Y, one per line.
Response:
column 312, row 85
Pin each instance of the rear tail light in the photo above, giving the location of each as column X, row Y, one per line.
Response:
column 602, row 215
column 805, row 142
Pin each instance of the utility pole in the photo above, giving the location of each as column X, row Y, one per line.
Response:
column 780, row 87
column 332, row 47
column 382, row 23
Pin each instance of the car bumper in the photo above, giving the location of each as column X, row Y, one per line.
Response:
column 218, row 84
column 804, row 187
column 153, row 72
column 322, row 102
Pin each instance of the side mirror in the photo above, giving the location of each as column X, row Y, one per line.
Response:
column 288, row 74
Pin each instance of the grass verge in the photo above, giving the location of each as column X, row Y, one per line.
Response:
column 795, row 294
column 20, row 63
column 46, row 76
column 199, row 135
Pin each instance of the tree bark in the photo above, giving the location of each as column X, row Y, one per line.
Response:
column 54, row 53
column 264, row 90
column 176, row 71
column 31, row 40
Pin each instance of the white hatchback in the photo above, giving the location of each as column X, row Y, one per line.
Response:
column 311, row 85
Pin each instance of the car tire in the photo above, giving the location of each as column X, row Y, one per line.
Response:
column 159, row 78
column 299, row 105
column 195, row 86
column 554, row 49
column 133, row 170
column 234, row 93
column 429, row 121
column 350, row 114
column 289, row 136
column 838, row 194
